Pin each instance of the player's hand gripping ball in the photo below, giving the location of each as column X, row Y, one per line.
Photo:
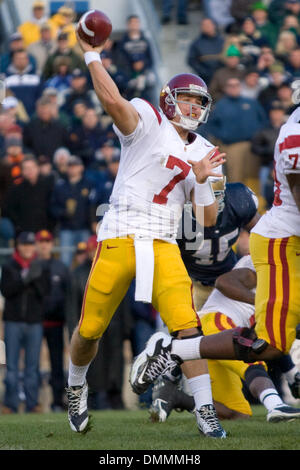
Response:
column 94, row 27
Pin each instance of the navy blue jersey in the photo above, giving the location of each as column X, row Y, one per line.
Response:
column 215, row 255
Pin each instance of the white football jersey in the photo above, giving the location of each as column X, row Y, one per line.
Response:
column 241, row 313
column 154, row 179
column 283, row 219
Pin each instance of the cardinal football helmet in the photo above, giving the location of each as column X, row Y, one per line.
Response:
column 190, row 84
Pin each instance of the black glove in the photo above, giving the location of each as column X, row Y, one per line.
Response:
column 34, row 272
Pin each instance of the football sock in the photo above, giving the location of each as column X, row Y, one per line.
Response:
column 200, row 388
column 187, row 349
column 270, row 398
column 77, row 374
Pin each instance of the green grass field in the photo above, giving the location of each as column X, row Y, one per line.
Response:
column 132, row 430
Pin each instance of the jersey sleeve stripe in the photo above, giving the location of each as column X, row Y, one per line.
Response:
column 290, row 142
column 155, row 111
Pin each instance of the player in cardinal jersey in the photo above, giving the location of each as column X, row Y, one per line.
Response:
column 275, row 247
column 229, row 305
column 163, row 164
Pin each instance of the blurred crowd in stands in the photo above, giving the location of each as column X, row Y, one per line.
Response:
column 59, row 157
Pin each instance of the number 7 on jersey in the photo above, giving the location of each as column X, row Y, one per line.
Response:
column 172, row 162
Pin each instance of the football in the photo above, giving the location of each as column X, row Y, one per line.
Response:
column 94, row 27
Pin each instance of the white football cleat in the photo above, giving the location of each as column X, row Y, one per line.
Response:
column 77, row 407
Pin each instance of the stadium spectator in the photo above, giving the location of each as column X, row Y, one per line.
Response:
column 233, row 122
column 22, row 81
column 58, row 114
column 60, row 161
column 7, row 121
column 285, row 97
column 63, row 50
column 42, row 48
column 105, row 375
column 44, row 134
column 62, row 77
column 46, row 168
column 293, row 64
column 110, row 176
column 286, row 43
column 181, row 11
column 116, row 73
column 27, row 204
column 278, row 10
column 97, row 170
column 239, row 10
column 219, row 12
column 79, row 108
column 24, row 286
column 80, row 255
column 13, row 158
column 88, row 137
column 72, row 206
column 15, row 43
column 136, row 58
column 62, row 22
column 205, row 52
column 263, row 143
column 265, row 60
column 15, row 108
column 250, row 42
column 31, row 30
column 231, row 68
column 250, row 85
column 291, row 23
column 275, row 78
column 259, row 12
column 79, row 90
column 54, row 314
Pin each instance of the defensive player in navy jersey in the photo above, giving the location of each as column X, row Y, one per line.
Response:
column 237, row 209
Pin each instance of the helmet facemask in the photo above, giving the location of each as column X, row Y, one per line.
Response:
column 190, row 122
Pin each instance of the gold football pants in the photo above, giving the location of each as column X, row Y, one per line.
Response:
column 112, row 272
column 277, row 299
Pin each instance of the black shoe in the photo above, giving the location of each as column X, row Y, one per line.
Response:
column 152, row 363
column 208, row 423
column 167, row 397
column 295, row 386
column 183, row 21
